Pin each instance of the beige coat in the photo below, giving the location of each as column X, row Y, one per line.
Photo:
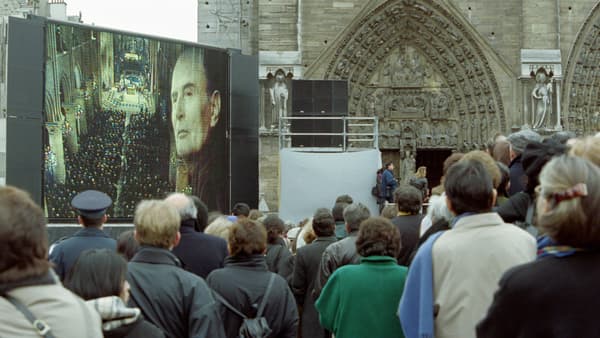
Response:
column 66, row 314
column 468, row 262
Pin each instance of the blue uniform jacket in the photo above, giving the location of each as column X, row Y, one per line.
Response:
column 65, row 254
column 388, row 185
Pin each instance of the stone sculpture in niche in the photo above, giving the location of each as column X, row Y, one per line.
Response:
column 439, row 106
column 425, row 133
column 408, row 165
column 483, row 129
column 370, row 104
column 541, row 98
column 452, row 133
column 279, row 97
column 475, row 130
column 441, row 138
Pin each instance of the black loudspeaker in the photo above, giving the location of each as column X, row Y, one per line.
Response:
column 318, row 98
column 339, row 99
column 302, row 97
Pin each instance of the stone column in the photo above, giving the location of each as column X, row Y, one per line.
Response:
column 526, row 102
column 558, row 126
column 56, row 145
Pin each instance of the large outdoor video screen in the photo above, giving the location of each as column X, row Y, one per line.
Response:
column 134, row 117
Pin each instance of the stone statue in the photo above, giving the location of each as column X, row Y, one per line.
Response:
column 541, row 99
column 440, row 106
column 425, row 133
column 475, row 130
column 483, row 129
column 370, row 105
column 279, row 97
column 408, row 166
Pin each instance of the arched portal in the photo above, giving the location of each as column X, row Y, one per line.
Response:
column 416, row 67
column 581, row 97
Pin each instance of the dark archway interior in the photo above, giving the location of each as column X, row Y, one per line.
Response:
column 433, row 159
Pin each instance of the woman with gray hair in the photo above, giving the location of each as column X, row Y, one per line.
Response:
column 555, row 295
column 439, row 216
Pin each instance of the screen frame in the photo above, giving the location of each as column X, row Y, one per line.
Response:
column 41, row 24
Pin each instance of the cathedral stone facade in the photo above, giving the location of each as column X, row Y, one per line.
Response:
column 440, row 75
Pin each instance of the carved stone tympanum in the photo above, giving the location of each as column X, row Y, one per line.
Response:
column 412, row 62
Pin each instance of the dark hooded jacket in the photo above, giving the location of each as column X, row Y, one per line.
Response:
column 243, row 282
column 177, row 301
column 279, row 259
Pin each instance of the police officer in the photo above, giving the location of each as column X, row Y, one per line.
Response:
column 91, row 206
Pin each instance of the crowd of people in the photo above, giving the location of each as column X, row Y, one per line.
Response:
column 96, row 164
column 114, row 157
column 144, row 164
column 506, row 248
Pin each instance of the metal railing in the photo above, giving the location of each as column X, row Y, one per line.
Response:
column 357, row 133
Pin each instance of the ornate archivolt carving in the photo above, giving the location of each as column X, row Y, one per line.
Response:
column 411, row 61
column 581, row 97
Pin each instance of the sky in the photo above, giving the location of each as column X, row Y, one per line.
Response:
column 173, row 18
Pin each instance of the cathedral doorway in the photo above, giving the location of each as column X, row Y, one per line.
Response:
column 433, row 159
column 422, row 73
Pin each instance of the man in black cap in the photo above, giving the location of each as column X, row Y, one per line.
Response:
column 518, row 141
column 91, row 206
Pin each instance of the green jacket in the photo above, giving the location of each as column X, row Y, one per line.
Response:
column 362, row 300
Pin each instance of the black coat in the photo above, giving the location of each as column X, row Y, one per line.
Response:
column 200, row 253
column 441, row 225
column 517, row 175
column 243, row 282
column 279, row 260
column 515, row 208
column 409, row 227
column 551, row 298
column 306, row 267
column 141, row 328
column 338, row 254
column 178, row 302
column 65, row 254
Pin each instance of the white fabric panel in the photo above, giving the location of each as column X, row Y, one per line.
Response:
column 311, row 180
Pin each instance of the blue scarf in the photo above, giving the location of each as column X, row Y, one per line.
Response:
column 546, row 246
column 416, row 305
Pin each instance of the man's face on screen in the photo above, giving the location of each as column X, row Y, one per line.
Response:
column 192, row 110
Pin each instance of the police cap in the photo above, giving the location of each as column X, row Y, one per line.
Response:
column 91, row 203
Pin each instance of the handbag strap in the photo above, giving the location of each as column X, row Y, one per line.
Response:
column 261, row 307
column 229, row 306
column 42, row 328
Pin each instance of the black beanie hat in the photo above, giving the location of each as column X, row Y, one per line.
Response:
column 535, row 157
